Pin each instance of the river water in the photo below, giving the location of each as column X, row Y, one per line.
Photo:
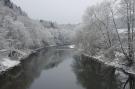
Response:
column 60, row 69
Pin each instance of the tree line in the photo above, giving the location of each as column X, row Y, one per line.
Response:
column 108, row 27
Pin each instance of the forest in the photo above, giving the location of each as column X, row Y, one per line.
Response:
column 18, row 31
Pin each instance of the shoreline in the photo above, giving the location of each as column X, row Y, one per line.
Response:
column 7, row 63
column 120, row 67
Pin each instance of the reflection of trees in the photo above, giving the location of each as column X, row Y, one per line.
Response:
column 130, row 81
column 22, row 76
column 94, row 75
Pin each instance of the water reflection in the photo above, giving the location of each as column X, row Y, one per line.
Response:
column 53, row 70
column 22, row 77
column 130, row 82
column 94, row 75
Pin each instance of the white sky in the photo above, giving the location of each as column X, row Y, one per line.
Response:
column 61, row 11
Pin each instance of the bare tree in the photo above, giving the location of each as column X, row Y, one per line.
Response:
column 102, row 15
column 115, row 26
column 128, row 6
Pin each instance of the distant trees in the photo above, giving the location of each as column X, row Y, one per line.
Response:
column 62, row 36
column 49, row 24
column 22, row 32
column 61, row 33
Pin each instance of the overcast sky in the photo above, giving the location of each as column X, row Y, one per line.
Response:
column 61, row 11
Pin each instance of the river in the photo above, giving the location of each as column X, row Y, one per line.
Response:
column 54, row 68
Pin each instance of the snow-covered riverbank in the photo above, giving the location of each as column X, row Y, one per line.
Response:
column 116, row 63
column 7, row 63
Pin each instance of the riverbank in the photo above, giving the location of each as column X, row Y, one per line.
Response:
column 115, row 63
column 7, row 63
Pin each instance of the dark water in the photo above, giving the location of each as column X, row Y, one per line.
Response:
column 60, row 69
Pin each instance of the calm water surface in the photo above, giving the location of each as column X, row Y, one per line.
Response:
column 59, row 69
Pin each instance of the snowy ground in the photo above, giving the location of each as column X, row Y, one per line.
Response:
column 116, row 62
column 71, row 46
column 122, row 30
column 7, row 63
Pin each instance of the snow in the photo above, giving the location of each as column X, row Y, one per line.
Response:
column 7, row 63
column 98, row 57
column 101, row 58
column 71, row 46
column 122, row 30
column 118, row 54
column 115, row 63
